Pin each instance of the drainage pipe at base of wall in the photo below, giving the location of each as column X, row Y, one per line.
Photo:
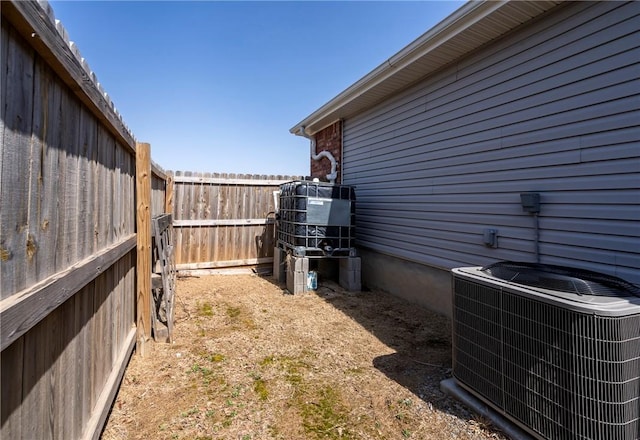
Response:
column 331, row 177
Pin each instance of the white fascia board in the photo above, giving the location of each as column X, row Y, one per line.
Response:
column 466, row 16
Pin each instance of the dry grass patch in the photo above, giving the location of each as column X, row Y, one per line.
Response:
column 252, row 362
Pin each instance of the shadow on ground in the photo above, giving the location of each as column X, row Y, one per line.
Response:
column 421, row 340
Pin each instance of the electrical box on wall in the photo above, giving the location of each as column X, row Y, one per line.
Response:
column 530, row 202
column 490, row 238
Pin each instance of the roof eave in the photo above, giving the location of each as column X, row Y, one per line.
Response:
column 395, row 74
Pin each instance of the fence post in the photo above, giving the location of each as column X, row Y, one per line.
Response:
column 168, row 194
column 143, row 229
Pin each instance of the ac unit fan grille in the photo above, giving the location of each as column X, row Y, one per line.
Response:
column 559, row 373
column 563, row 279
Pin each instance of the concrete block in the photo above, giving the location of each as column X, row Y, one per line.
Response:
column 299, row 264
column 351, row 263
column 279, row 265
column 296, row 282
column 297, row 270
column 351, row 280
column 350, row 276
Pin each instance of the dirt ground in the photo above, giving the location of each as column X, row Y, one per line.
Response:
column 251, row 361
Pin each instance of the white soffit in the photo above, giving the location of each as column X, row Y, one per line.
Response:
column 470, row 27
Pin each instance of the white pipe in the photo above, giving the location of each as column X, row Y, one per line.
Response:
column 331, row 177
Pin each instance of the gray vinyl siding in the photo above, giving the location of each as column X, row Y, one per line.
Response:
column 552, row 108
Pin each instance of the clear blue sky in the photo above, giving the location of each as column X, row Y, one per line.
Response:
column 215, row 86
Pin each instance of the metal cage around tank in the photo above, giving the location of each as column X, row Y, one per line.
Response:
column 317, row 219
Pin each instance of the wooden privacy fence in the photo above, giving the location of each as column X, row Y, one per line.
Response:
column 224, row 220
column 73, row 267
column 161, row 190
column 77, row 197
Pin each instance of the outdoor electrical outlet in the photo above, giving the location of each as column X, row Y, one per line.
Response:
column 490, row 238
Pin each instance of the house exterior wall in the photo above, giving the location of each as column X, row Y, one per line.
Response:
column 553, row 108
column 328, row 139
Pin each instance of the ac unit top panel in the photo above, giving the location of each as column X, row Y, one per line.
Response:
column 597, row 305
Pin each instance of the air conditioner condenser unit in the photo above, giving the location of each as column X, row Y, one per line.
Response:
column 556, row 350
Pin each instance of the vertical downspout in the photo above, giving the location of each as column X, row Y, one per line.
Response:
column 342, row 148
column 331, row 177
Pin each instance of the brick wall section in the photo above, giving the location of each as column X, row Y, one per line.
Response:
column 330, row 139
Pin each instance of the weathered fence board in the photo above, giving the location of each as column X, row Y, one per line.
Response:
column 224, row 220
column 17, row 76
column 75, row 356
column 67, row 236
column 22, row 311
column 33, row 24
column 158, row 190
column 143, row 219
